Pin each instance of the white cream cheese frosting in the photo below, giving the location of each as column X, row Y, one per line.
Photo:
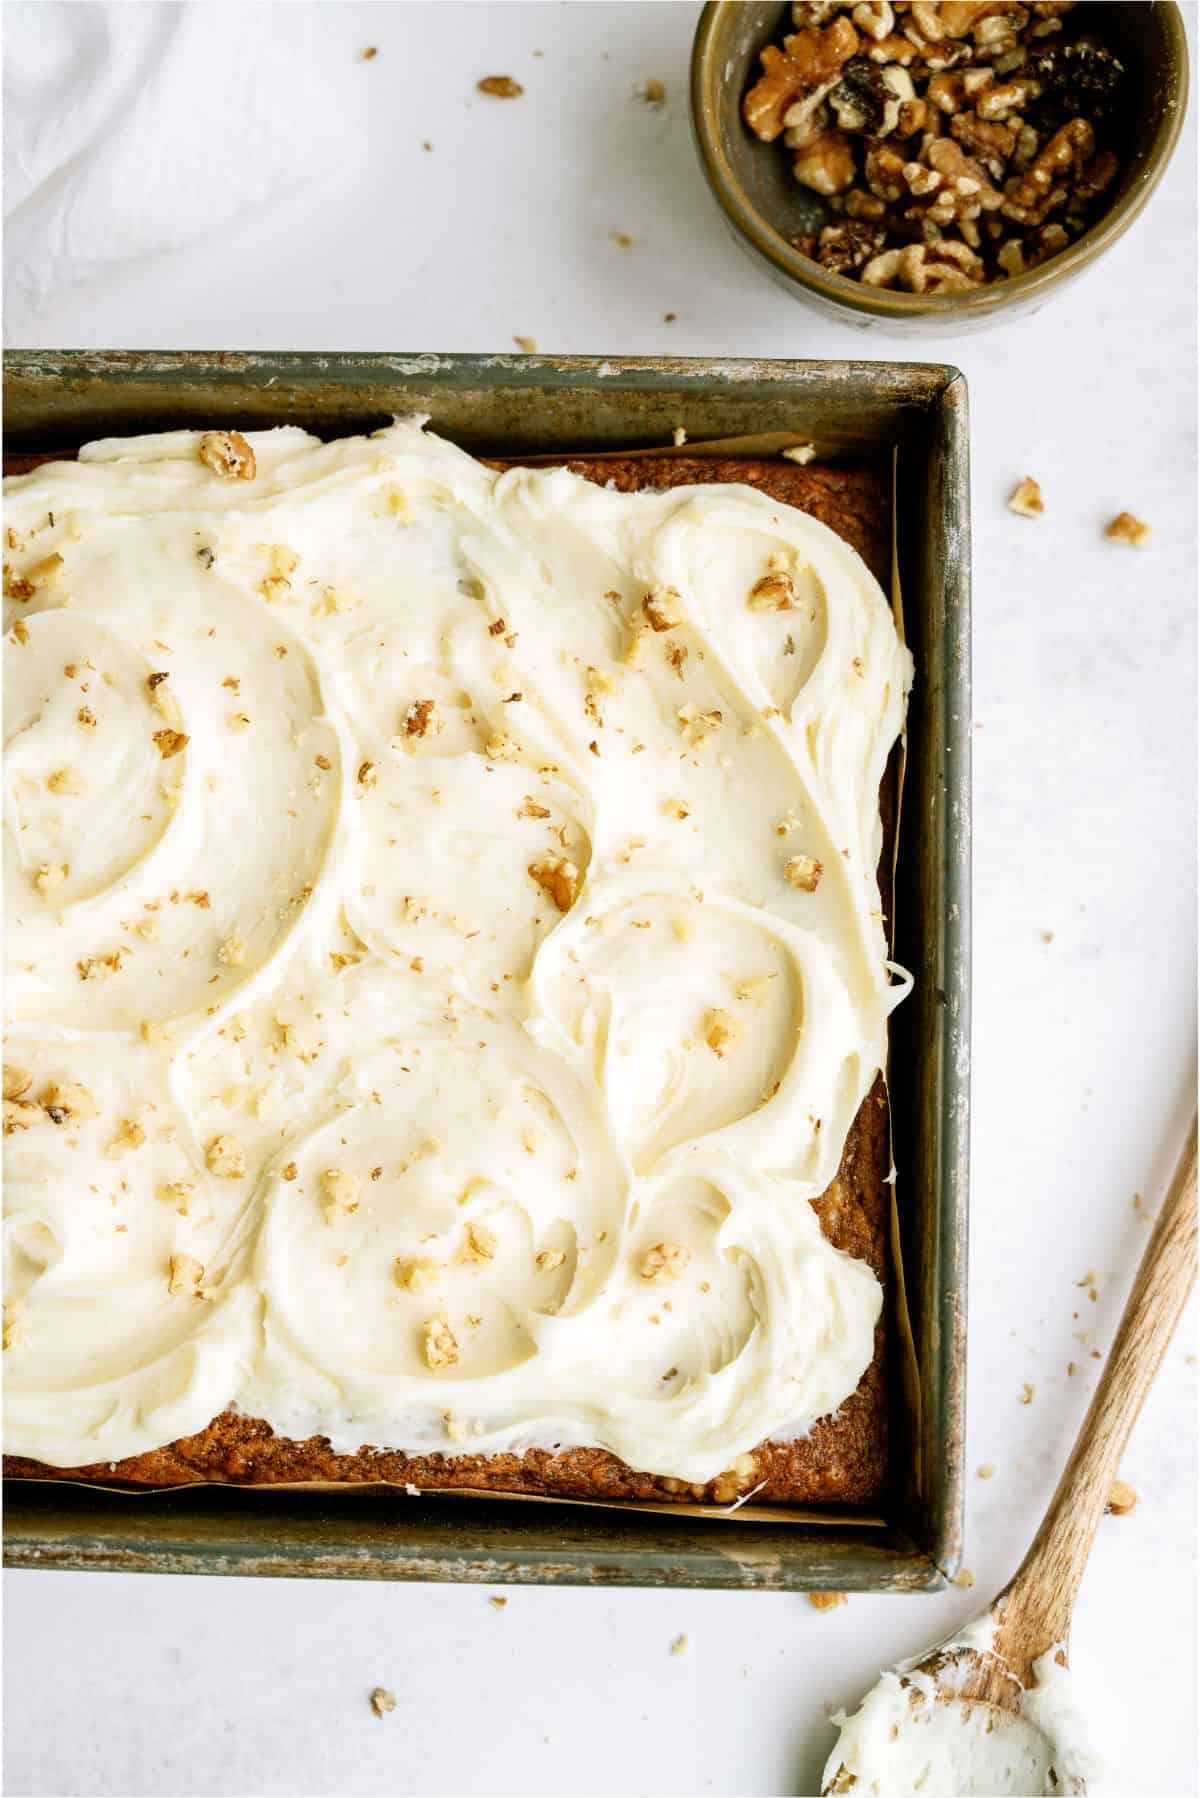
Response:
column 444, row 954
column 913, row 1732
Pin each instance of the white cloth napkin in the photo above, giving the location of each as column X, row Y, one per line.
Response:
column 138, row 127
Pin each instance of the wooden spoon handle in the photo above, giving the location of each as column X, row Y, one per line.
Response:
column 1040, row 1599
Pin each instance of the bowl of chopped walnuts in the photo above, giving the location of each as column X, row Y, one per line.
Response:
column 935, row 165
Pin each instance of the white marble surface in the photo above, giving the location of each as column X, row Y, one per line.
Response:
column 1085, row 762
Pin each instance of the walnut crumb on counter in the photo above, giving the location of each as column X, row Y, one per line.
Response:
column 826, row 1601
column 1026, row 499
column 1121, row 1499
column 1125, row 528
column 501, row 87
column 382, row 1701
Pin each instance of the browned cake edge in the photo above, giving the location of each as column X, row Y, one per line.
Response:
column 843, row 1459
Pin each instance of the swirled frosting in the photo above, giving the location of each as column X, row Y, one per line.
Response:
column 444, row 952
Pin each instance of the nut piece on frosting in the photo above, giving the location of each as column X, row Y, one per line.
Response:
column 170, row 742
column 1125, row 528
column 66, row 1102
column 17, row 1081
column 663, row 609
column 773, row 593
column 340, row 1191
column 184, row 1274
column 21, row 1114
column 803, row 872
column 666, row 1260
column 225, row 1157
column 228, row 454
column 559, row 877
column 421, row 719
column 177, row 1193
column 1026, row 499
column 415, row 1274
column 478, row 1244
column 722, row 1032
column 441, row 1345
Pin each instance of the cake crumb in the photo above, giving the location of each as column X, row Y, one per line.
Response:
column 382, row 1701
column 1047, row 936
column 986, row 1470
column 528, row 344
column 679, row 436
column 680, row 1646
column 501, row 87
column 1027, row 1392
column 964, row 1578
column 497, row 1603
column 1125, row 528
column 826, row 1601
column 369, row 54
column 1026, row 499
column 1121, row 1499
column 653, row 93
column 802, row 453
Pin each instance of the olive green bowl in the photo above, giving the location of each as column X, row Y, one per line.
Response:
column 765, row 207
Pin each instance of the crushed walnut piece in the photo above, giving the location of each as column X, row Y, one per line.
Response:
column 67, row 782
column 21, row 1114
column 440, row 1343
column 184, row 1274
column 67, row 1102
column 501, row 87
column 1125, row 528
column 722, row 1032
column 17, row 1081
column 666, row 1260
column 547, row 1261
column 382, row 1701
column 478, row 1245
column 559, row 877
column 178, row 1193
column 170, row 743
column 232, row 952
column 226, row 1158
column 773, row 593
column 228, row 454
column 415, row 1274
column 1121, row 1499
column 803, row 872
column 1026, row 499
column 421, row 719
column 663, row 609
column 51, row 875
column 953, row 144
column 130, row 1136
column 340, row 1193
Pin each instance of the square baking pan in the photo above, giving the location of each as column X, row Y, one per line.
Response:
column 912, row 416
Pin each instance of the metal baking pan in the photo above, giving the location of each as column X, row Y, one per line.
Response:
column 508, row 405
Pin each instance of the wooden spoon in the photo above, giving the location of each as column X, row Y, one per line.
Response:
column 1032, row 1614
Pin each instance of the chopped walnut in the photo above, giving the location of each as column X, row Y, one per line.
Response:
column 87, row 718
column 170, row 742
column 826, row 1601
column 501, row 87
column 549, row 1260
column 340, row 1193
column 226, row 1158
column 232, row 952
column 1125, row 528
column 178, row 1193
column 774, row 592
column 14, row 1332
column 130, row 1136
column 478, row 1245
column 421, row 719
column 500, row 747
column 803, row 872
column 51, row 875
column 382, row 1701
column 184, row 1274
column 415, row 1275
column 21, row 1114
column 1026, row 499
column 1121, row 1499
column 722, row 1032
column 665, row 1261
column 809, row 63
column 66, row 781
column 368, row 774
column 441, row 1344
column 17, row 1081
column 558, row 877
column 99, row 967
column 663, row 609
column 228, row 454
column 67, row 1102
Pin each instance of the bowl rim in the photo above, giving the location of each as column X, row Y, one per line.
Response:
column 883, row 303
